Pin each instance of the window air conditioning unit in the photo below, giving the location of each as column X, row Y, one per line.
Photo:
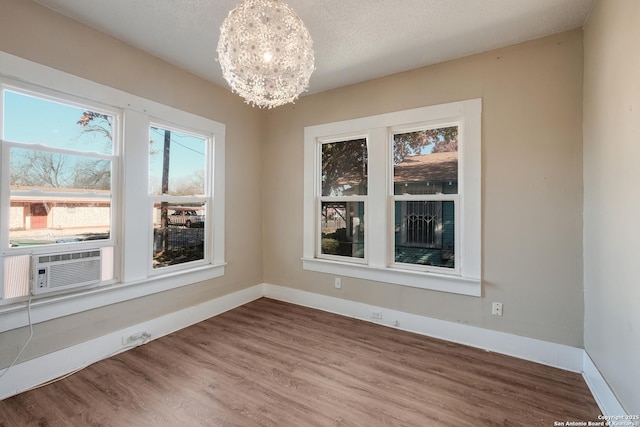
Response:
column 57, row 272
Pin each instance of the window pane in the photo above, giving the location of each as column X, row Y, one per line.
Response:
column 178, row 233
column 343, row 229
column 38, row 170
column 177, row 163
column 34, row 120
column 344, row 168
column 425, row 233
column 42, row 221
column 426, row 162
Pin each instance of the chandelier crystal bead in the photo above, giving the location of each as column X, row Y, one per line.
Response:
column 265, row 52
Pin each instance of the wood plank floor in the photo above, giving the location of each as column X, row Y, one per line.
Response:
column 269, row 363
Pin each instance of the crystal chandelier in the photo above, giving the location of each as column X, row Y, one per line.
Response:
column 265, row 52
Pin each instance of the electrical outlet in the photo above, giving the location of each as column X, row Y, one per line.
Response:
column 376, row 314
column 338, row 283
column 496, row 309
column 137, row 338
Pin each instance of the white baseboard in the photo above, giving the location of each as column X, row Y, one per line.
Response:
column 606, row 400
column 31, row 373
column 556, row 355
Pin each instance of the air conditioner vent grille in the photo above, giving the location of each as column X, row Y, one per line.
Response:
column 63, row 275
column 68, row 256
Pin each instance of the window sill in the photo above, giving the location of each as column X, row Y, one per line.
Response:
column 51, row 307
column 415, row 279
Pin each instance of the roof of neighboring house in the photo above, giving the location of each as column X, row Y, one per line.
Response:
column 421, row 168
column 38, row 194
column 55, row 189
column 427, row 167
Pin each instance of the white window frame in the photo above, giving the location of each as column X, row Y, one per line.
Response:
column 74, row 101
column 133, row 217
column 465, row 279
column 107, row 246
column 359, row 198
column 207, row 199
column 455, row 198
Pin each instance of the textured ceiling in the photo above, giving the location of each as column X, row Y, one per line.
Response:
column 354, row 40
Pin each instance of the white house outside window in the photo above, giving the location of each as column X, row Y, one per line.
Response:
column 396, row 198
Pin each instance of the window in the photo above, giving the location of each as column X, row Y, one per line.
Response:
column 425, row 188
column 87, row 167
column 343, row 200
column 413, row 178
column 179, row 194
column 61, row 159
column 60, row 155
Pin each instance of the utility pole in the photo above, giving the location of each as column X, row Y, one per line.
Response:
column 165, row 189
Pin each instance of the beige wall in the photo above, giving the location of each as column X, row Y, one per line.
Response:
column 611, row 196
column 531, row 186
column 40, row 35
